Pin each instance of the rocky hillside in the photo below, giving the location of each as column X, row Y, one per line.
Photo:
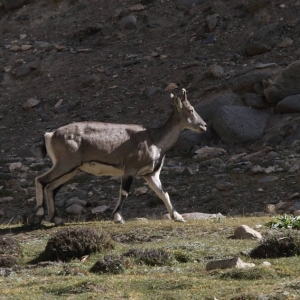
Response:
column 73, row 60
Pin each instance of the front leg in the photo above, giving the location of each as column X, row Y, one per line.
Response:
column 123, row 194
column 154, row 182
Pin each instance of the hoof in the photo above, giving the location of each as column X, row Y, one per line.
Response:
column 177, row 217
column 118, row 219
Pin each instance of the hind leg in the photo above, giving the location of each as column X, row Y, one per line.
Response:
column 123, row 194
column 49, row 183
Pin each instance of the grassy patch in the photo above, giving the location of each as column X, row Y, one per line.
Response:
column 153, row 260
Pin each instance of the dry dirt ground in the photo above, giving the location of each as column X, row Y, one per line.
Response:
column 84, row 60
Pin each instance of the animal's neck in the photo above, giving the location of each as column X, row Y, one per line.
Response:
column 167, row 135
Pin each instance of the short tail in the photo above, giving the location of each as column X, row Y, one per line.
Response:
column 42, row 147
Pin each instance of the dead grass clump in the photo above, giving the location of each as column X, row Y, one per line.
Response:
column 278, row 246
column 8, row 261
column 9, row 246
column 150, row 257
column 109, row 264
column 67, row 244
column 258, row 297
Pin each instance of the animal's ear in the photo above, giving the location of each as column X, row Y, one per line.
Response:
column 177, row 102
column 184, row 95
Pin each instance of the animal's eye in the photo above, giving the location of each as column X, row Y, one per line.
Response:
column 191, row 111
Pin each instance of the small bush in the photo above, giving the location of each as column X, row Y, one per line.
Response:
column 150, row 257
column 9, row 246
column 8, row 261
column 67, row 244
column 277, row 246
column 109, row 264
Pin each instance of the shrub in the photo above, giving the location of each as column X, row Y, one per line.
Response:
column 67, row 244
column 109, row 264
column 277, row 246
column 9, row 246
column 151, row 257
column 8, row 261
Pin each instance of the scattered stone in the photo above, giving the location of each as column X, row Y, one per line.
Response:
column 255, row 101
column 140, row 191
column 74, row 209
column 31, row 103
column 268, row 179
column 266, row 264
column 235, row 262
column 26, row 47
column 224, row 186
column 40, row 45
column 209, row 152
column 6, row 200
column 16, row 166
column 15, row 48
column 100, row 209
column 245, row 232
column 75, row 200
column 212, row 21
column 128, row 22
column 216, row 71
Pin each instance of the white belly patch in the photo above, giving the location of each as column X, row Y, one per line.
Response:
column 99, row 169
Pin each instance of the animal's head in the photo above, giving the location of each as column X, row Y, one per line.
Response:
column 188, row 116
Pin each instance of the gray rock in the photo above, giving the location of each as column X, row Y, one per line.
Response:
column 256, row 48
column 100, row 209
column 290, row 104
column 239, row 125
column 23, row 70
column 285, row 84
column 40, row 45
column 245, row 232
column 224, row 186
column 128, row 22
column 74, row 209
column 255, row 101
column 212, row 21
column 205, row 153
column 13, row 4
column 75, row 200
column 268, row 179
column 6, row 200
column 249, row 82
column 235, row 262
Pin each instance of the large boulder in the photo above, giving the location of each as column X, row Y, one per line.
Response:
column 285, row 84
column 239, row 125
column 209, row 107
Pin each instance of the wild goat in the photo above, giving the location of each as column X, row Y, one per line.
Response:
column 113, row 150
